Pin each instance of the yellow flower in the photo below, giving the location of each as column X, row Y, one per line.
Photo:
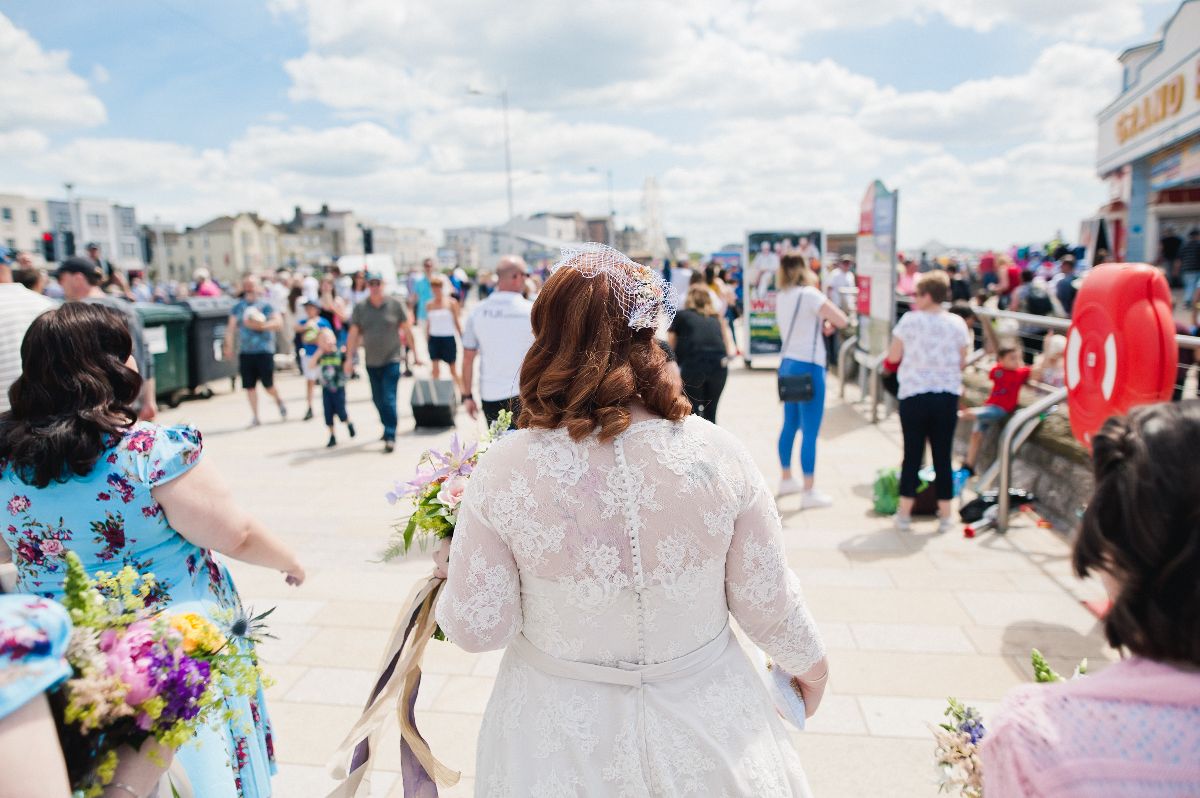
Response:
column 198, row 633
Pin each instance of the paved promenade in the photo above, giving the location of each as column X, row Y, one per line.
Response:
column 908, row 618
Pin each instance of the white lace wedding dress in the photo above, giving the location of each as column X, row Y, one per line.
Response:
column 609, row 570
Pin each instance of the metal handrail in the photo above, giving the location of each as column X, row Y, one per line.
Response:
column 871, row 365
column 843, row 360
column 1007, row 449
column 1059, row 323
column 1047, row 322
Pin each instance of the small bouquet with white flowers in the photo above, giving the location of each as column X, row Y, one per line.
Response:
column 956, row 754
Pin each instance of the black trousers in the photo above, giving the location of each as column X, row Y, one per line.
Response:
column 491, row 410
column 703, row 381
column 932, row 418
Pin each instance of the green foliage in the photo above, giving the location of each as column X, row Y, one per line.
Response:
column 1044, row 674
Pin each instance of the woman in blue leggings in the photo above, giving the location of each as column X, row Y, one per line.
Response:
column 805, row 316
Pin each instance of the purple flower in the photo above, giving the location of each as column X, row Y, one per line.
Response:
column 182, row 681
column 18, row 504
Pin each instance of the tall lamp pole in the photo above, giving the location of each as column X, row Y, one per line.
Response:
column 612, row 207
column 503, row 97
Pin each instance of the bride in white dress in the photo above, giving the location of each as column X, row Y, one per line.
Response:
column 606, row 545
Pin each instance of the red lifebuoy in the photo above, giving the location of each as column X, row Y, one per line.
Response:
column 1121, row 348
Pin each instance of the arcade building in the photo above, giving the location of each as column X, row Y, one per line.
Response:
column 1149, row 142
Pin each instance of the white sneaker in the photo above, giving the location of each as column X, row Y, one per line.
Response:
column 789, row 486
column 947, row 524
column 813, row 499
column 903, row 522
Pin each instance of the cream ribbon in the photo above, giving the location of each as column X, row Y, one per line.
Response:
column 396, row 693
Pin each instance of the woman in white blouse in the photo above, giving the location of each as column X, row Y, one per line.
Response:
column 605, row 545
column 930, row 346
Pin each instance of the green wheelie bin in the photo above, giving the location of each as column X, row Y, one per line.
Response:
column 166, row 329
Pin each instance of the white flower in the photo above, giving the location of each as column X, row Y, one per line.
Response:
column 451, row 492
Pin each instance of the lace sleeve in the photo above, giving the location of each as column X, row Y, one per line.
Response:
column 763, row 593
column 480, row 605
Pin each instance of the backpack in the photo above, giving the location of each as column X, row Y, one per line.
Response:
column 1038, row 302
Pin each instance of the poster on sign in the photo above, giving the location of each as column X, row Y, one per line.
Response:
column 763, row 253
column 876, row 262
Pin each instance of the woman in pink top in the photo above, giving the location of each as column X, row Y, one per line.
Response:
column 1134, row 728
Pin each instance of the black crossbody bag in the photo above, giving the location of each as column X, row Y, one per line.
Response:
column 799, row 387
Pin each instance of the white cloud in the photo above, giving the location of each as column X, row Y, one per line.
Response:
column 38, row 90
column 714, row 97
column 1058, row 96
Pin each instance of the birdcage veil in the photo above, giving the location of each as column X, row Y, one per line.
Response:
column 644, row 296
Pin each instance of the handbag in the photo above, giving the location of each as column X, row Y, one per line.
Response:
column 784, row 692
column 798, row 387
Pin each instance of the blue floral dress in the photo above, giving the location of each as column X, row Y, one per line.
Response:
column 110, row 519
column 33, row 647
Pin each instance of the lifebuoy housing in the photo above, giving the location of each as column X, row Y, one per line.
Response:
column 1121, row 349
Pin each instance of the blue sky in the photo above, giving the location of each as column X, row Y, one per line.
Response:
column 749, row 115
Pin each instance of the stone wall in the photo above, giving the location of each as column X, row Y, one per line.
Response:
column 1051, row 463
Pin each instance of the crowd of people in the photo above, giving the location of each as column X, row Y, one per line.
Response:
column 583, row 367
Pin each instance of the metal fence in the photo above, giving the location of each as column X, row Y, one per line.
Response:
column 993, row 328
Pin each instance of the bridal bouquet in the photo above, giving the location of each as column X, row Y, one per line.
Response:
column 435, row 493
column 956, row 754
column 138, row 674
column 437, row 489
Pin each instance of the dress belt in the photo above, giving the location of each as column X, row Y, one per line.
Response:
column 627, row 674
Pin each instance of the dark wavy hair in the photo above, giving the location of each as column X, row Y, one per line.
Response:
column 587, row 365
column 1142, row 526
column 74, row 393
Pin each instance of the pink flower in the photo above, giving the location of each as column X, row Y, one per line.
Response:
column 130, row 658
column 52, row 548
column 451, row 492
column 18, row 504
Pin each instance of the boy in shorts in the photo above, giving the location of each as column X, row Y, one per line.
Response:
column 328, row 363
column 1008, row 375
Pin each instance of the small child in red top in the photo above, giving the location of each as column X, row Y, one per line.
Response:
column 1008, row 375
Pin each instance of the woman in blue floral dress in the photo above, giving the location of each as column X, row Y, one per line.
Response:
column 78, row 473
column 33, row 648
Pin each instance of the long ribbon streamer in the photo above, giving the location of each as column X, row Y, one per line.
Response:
column 396, row 686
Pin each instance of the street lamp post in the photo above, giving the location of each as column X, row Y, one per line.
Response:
column 612, row 208
column 503, row 97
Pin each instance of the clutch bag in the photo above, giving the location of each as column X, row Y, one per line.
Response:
column 784, row 692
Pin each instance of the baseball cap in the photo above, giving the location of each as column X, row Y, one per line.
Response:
column 78, row 265
column 92, row 245
column 374, row 276
column 312, row 302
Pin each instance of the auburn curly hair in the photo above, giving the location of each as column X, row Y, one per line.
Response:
column 587, row 365
column 1142, row 527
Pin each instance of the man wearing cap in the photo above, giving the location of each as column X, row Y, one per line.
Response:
column 80, row 279
column 376, row 323
column 106, row 267
column 254, row 320
column 18, row 308
column 499, row 333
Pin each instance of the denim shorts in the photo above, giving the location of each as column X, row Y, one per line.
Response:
column 987, row 415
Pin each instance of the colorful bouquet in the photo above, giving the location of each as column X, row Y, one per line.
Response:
column 436, row 493
column 140, row 675
column 956, row 754
column 437, row 490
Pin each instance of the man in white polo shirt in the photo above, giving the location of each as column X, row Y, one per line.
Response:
column 499, row 333
column 18, row 308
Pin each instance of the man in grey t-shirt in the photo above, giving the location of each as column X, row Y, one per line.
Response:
column 376, row 323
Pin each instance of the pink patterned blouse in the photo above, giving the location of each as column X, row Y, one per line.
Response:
column 1130, row 731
